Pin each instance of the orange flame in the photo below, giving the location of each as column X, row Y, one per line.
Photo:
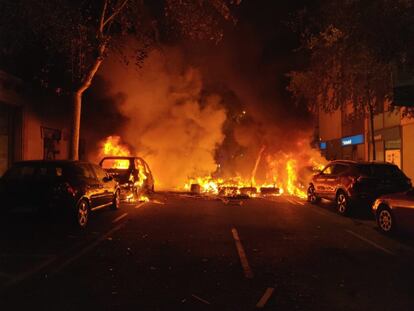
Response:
column 112, row 146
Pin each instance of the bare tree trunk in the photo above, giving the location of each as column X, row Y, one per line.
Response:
column 77, row 104
column 371, row 120
column 77, row 107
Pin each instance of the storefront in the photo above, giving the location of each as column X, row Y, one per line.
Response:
column 345, row 148
column 388, row 145
column 353, row 147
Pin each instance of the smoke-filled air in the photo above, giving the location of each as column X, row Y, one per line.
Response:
column 205, row 125
column 172, row 122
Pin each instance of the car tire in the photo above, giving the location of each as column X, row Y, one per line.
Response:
column 342, row 203
column 116, row 201
column 385, row 220
column 311, row 195
column 82, row 214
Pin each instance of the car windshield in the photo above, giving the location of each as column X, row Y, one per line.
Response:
column 118, row 164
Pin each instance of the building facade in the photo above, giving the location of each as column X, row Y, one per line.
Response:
column 29, row 130
column 341, row 137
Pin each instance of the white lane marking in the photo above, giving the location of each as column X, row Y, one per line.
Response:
column 248, row 273
column 385, row 250
column 265, row 298
column 200, row 299
column 291, row 201
column 158, row 202
column 298, row 202
column 141, row 204
column 86, row 249
column 21, row 277
column 120, row 217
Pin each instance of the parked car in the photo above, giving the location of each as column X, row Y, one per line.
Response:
column 349, row 182
column 395, row 211
column 132, row 173
column 71, row 188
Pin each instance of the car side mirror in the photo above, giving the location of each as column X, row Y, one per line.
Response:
column 107, row 178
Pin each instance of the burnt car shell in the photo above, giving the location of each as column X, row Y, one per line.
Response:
column 133, row 174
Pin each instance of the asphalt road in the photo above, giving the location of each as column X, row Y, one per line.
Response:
column 179, row 252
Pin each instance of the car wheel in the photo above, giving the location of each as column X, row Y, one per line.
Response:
column 116, row 201
column 312, row 197
column 82, row 214
column 385, row 220
column 342, row 203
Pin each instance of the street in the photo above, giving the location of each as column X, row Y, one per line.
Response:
column 181, row 252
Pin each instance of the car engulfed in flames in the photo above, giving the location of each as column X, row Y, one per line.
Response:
column 132, row 173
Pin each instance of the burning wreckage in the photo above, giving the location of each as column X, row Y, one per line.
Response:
column 132, row 173
column 294, row 182
column 286, row 173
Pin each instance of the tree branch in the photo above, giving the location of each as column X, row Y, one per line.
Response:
column 115, row 13
column 87, row 81
column 102, row 19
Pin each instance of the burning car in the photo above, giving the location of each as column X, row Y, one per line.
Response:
column 133, row 175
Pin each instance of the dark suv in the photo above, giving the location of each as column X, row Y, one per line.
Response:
column 347, row 182
column 71, row 188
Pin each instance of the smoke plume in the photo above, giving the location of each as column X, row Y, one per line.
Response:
column 172, row 122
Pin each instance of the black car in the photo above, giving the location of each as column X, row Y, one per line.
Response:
column 72, row 188
column 132, row 173
column 347, row 182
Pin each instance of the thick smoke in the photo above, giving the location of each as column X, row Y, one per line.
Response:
column 173, row 123
column 200, row 109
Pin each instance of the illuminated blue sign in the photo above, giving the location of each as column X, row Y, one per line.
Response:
column 352, row 140
column 322, row 145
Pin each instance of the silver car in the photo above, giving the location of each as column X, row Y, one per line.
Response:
column 394, row 211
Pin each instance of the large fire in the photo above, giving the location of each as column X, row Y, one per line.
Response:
column 286, row 173
column 112, row 146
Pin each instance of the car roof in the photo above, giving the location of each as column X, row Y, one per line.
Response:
column 361, row 162
column 121, row 157
column 50, row 162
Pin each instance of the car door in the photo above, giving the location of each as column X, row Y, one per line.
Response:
column 18, row 186
column 403, row 205
column 320, row 181
column 335, row 180
column 92, row 186
column 150, row 178
column 106, row 185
